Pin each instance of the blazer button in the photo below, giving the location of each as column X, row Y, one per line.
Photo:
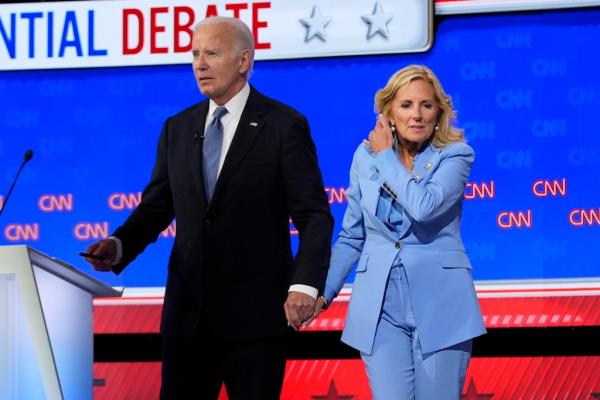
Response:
column 207, row 223
column 397, row 245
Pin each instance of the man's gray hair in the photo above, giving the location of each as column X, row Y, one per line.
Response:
column 244, row 40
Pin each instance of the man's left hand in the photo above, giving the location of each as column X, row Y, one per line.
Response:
column 298, row 307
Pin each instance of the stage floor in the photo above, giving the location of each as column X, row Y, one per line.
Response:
column 543, row 343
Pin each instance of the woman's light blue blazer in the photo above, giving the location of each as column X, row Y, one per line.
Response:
column 426, row 242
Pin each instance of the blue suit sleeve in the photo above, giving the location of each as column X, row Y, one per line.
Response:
column 350, row 241
column 445, row 187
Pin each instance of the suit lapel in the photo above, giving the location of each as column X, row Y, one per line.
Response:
column 250, row 125
column 392, row 234
column 194, row 140
column 372, row 192
column 426, row 163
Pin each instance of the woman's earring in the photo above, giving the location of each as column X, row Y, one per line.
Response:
column 437, row 127
column 393, row 128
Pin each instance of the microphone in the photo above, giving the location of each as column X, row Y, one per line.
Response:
column 28, row 156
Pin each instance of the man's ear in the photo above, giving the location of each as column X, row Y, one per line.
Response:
column 244, row 62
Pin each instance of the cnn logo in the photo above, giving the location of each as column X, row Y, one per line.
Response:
column 91, row 230
column 22, row 232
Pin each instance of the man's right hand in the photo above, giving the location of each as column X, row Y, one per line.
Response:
column 107, row 249
column 298, row 307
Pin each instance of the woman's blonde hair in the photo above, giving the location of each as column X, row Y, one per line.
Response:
column 384, row 97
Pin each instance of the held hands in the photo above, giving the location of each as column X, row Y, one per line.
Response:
column 298, row 307
column 107, row 250
column 301, row 309
column 381, row 137
column 320, row 304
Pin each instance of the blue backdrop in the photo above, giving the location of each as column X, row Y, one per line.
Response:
column 527, row 91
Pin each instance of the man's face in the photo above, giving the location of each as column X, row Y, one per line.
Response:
column 219, row 66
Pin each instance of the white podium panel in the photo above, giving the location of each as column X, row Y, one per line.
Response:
column 46, row 332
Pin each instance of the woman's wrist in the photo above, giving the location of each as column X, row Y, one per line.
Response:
column 325, row 302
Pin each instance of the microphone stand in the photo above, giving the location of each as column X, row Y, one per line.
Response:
column 28, row 156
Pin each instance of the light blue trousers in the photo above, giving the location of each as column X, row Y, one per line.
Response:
column 396, row 368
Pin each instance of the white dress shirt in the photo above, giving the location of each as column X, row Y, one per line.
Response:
column 230, row 121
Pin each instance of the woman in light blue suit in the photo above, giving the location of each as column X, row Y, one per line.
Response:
column 413, row 311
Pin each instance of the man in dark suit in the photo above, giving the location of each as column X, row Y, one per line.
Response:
column 232, row 170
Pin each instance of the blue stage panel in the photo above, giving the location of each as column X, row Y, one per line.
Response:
column 527, row 93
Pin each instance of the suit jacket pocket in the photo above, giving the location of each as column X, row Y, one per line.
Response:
column 454, row 259
column 362, row 263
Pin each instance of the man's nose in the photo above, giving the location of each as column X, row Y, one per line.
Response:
column 200, row 62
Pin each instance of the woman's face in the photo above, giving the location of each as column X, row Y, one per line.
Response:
column 415, row 112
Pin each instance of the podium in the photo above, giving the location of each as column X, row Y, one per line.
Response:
column 46, row 326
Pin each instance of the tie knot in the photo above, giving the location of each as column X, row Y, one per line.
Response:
column 218, row 113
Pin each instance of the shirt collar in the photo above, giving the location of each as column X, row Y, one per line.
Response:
column 235, row 105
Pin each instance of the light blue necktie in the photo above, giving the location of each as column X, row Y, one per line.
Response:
column 211, row 151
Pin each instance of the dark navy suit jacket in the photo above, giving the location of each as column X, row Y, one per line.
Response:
column 231, row 264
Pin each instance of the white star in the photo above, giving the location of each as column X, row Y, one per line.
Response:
column 377, row 22
column 315, row 25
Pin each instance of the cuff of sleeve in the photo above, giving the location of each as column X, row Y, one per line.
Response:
column 329, row 294
column 309, row 290
column 383, row 159
column 119, row 254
